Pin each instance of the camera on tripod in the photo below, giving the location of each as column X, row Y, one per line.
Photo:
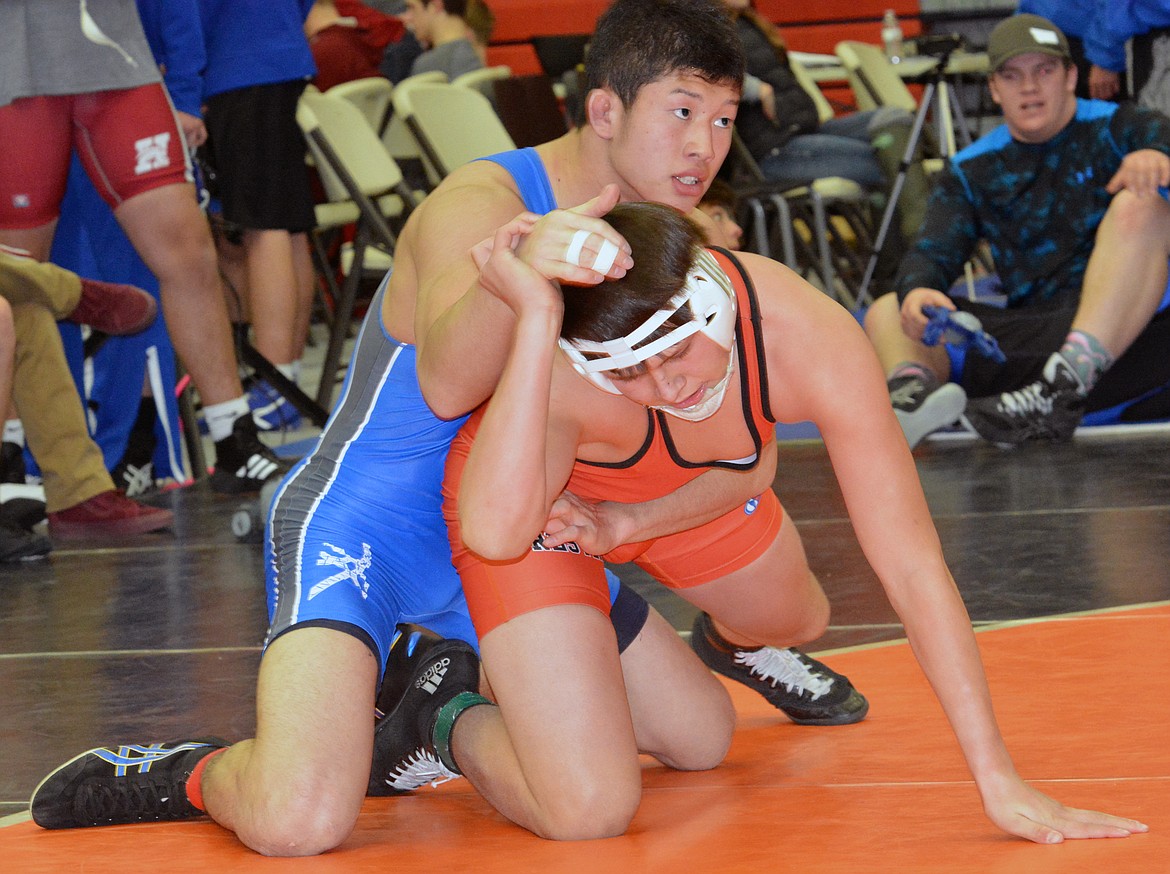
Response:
column 939, row 45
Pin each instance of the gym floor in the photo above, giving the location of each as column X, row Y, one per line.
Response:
column 1062, row 553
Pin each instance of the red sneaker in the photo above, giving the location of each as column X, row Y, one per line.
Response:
column 110, row 513
column 113, row 308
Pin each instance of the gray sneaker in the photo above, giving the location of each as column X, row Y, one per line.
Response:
column 1048, row 409
column 921, row 411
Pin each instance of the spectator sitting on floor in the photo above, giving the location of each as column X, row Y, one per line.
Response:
column 1066, row 192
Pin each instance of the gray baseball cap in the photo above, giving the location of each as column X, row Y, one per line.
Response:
column 1022, row 34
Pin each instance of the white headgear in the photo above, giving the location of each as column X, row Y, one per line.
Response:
column 707, row 289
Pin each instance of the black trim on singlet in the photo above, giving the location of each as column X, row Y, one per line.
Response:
column 657, row 416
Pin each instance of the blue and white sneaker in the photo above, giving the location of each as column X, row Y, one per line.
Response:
column 119, row 785
column 271, row 410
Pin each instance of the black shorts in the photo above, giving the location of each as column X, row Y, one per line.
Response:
column 258, row 154
column 1029, row 335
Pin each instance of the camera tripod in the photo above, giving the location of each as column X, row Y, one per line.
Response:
column 937, row 86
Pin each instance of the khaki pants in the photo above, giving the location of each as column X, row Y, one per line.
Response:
column 43, row 390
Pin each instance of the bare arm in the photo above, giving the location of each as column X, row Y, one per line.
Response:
column 827, row 372
column 600, row 527
column 453, row 313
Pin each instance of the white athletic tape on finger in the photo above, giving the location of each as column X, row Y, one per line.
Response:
column 573, row 255
column 605, row 257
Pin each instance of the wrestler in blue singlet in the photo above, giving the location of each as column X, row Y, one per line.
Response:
column 355, row 537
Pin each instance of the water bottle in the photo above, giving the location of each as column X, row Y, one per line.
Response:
column 892, row 36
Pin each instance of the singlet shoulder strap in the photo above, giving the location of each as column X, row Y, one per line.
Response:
column 749, row 332
column 531, row 178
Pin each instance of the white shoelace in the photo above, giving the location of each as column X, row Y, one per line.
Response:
column 785, row 666
column 1030, row 399
column 421, row 767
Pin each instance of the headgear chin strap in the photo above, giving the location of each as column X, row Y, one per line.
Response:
column 707, row 289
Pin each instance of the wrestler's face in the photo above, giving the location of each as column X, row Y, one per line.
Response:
column 1036, row 92
column 667, row 146
column 681, row 377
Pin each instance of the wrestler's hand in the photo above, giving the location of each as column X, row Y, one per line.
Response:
column 591, row 525
column 1141, row 172
column 914, row 320
column 194, row 131
column 567, row 244
column 506, row 276
column 1020, row 810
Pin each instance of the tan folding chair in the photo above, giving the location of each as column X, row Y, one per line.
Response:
column 399, row 141
column 484, row 79
column 452, row 125
column 364, row 187
column 873, row 79
column 370, row 95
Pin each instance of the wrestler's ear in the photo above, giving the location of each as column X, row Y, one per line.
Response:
column 602, row 108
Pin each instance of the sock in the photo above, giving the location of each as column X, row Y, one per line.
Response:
column 290, row 371
column 195, row 781
column 445, row 723
column 221, row 417
column 919, row 371
column 14, row 432
column 1085, row 354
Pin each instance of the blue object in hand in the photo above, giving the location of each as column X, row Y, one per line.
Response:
column 959, row 329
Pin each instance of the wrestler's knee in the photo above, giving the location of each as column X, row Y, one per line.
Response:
column 299, row 815
column 1132, row 216
column 590, row 806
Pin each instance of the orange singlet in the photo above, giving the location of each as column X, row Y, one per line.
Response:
column 500, row 590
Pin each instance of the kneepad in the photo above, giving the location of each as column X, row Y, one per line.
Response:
column 628, row 614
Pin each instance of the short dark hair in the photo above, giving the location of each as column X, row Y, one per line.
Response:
column 663, row 242
column 640, row 41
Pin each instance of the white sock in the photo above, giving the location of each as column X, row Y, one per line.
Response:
column 221, row 417
column 290, row 371
column 14, row 432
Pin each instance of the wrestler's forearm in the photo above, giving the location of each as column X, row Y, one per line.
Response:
column 699, row 501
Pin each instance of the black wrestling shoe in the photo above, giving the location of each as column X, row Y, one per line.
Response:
column 17, row 543
column 808, row 692
column 423, row 672
column 1048, row 409
column 127, row 784
column 242, row 462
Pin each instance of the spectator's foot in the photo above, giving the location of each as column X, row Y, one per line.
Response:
column 921, row 409
column 19, row 544
column 108, row 514
column 22, row 506
column 270, row 409
column 425, row 672
column 114, row 308
column 1048, row 409
column 120, row 785
column 805, row 690
column 242, row 462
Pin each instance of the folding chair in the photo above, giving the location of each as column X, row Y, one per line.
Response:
column 483, row 80
column 872, row 77
column 365, row 187
column 398, row 139
column 452, row 125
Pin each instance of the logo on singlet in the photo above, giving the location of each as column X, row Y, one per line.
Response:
column 750, row 506
column 571, row 548
column 352, row 569
column 152, row 153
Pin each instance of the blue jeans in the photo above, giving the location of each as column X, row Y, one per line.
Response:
column 840, row 147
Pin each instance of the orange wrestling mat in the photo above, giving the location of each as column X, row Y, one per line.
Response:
column 1081, row 699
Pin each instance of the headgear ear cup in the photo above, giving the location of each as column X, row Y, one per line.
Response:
column 712, row 302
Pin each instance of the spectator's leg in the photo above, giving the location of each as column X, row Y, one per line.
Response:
column 172, row 237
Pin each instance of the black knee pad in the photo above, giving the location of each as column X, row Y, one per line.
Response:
column 628, row 615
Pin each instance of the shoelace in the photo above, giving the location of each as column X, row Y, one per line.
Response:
column 417, row 769
column 126, row 800
column 785, row 666
column 1025, row 401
